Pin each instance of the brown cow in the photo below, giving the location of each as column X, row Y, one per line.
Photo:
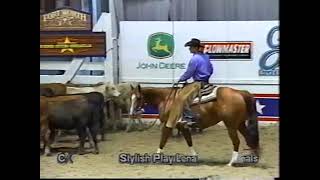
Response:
column 57, row 88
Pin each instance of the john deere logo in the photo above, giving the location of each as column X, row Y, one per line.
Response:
column 160, row 45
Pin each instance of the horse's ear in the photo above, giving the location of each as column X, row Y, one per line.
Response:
column 139, row 87
column 132, row 88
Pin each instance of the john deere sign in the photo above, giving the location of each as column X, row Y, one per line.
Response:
column 160, row 45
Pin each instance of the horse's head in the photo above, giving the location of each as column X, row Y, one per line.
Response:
column 137, row 102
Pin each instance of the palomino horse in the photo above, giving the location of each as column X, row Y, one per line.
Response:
column 233, row 107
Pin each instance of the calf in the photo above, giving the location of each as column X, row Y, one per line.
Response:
column 73, row 112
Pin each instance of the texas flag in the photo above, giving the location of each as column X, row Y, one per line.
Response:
column 267, row 107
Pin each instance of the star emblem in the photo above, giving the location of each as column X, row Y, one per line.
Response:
column 67, row 42
column 259, row 107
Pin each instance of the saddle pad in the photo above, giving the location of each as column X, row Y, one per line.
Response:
column 208, row 97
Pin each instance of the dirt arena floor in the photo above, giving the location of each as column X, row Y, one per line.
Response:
column 213, row 145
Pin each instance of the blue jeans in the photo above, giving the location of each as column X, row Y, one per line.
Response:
column 188, row 115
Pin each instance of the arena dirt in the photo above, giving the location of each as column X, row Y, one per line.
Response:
column 213, row 145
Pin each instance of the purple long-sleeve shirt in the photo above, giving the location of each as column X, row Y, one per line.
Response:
column 199, row 68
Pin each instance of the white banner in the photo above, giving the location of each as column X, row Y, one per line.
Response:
column 244, row 52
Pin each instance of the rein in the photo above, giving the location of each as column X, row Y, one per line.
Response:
column 175, row 92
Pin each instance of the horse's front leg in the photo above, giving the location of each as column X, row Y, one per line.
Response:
column 130, row 110
column 166, row 132
column 187, row 136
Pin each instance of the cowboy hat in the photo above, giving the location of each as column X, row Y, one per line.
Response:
column 194, row 43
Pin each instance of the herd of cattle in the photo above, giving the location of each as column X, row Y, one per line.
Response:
column 85, row 109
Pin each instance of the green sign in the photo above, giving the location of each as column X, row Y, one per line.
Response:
column 160, row 45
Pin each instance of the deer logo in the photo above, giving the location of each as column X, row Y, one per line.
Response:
column 160, row 45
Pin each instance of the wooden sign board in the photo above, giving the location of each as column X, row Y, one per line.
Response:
column 69, row 44
column 66, row 19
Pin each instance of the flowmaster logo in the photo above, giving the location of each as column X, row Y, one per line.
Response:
column 269, row 61
column 228, row 50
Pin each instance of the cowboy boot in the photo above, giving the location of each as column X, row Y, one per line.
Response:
column 190, row 117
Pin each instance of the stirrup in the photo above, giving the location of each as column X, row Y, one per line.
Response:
column 191, row 123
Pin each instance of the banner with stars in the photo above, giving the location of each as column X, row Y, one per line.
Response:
column 267, row 108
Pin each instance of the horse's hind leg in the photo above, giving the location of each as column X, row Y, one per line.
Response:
column 166, row 131
column 236, row 142
column 187, row 136
column 245, row 133
column 232, row 131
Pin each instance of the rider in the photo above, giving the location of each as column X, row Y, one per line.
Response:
column 200, row 69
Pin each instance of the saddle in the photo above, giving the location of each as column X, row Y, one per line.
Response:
column 208, row 93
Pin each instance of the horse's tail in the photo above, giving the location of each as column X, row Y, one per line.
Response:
column 252, row 125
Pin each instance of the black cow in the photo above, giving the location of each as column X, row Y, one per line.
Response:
column 97, row 104
column 73, row 112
